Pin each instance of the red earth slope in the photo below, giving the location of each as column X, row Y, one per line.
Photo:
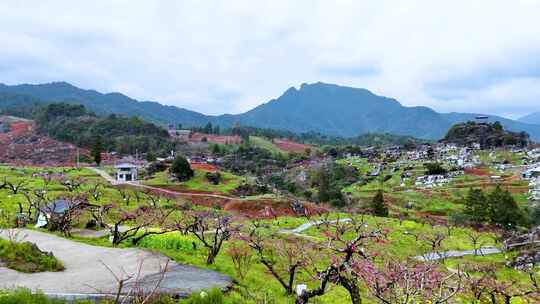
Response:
column 24, row 146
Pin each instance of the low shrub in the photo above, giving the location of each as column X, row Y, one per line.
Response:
column 27, row 257
column 213, row 177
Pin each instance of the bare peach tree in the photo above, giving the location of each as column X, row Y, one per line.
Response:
column 408, row 282
column 132, row 288
column 242, row 259
column 347, row 242
column 282, row 257
column 136, row 224
column 212, row 229
column 483, row 285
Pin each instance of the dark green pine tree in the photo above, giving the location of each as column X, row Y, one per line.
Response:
column 97, row 149
column 377, row 205
column 476, row 206
column 324, row 185
column 503, row 209
column 181, row 169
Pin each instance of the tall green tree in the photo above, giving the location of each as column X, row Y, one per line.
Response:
column 150, row 156
column 97, row 149
column 377, row 204
column 324, row 185
column 503, row 209
column 476, row 206
column 498, row 126
column 181, row 169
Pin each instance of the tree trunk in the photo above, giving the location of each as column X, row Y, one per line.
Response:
column 211, row 257
column 353, row 289
column 302, row 299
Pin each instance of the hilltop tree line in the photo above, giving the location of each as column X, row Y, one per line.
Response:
column 315, row 138
column 75, row 124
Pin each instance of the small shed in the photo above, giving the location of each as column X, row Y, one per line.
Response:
column 126, row 172
column 59, row 206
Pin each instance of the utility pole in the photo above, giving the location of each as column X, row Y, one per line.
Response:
column 78, row 164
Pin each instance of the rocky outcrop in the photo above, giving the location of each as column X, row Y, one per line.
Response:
column 487, row 135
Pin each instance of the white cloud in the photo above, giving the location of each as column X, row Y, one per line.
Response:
column 228, row 56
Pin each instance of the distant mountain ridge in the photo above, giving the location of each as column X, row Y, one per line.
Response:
column 320, row 107
column 533, row 118
column 106, row 103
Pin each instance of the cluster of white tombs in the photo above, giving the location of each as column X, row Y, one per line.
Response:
column 532, row 173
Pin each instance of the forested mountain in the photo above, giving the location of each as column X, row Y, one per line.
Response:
column 324, row 108
column 102, row 103
column 344, row 111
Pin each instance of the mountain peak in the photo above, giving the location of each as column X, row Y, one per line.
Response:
column 61, row 84
column 334, row 88
column 317, row 85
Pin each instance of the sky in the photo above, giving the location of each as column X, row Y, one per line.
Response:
column 229, row 56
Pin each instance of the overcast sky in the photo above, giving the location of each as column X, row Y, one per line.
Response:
column 229, row 56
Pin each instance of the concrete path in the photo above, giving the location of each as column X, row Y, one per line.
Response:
column 94, row 234
column 308, row 225
column 435, row 256
column 105, row 176
column 86, row 274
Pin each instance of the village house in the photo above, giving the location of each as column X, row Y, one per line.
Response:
column 126, row 172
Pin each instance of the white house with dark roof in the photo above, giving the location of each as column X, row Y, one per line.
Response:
column 126, row 172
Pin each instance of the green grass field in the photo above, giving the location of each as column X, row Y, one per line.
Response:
column 266, row 144
column 199, row 182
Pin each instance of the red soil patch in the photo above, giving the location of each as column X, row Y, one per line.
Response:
column 290, row 146
column 477, row 172
column 260, row 208
column 204, row 166
column 218, row 139
column 182, row 189
column 518, row 190
column 23, row 146
column 431, row 218
column 424, row 191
